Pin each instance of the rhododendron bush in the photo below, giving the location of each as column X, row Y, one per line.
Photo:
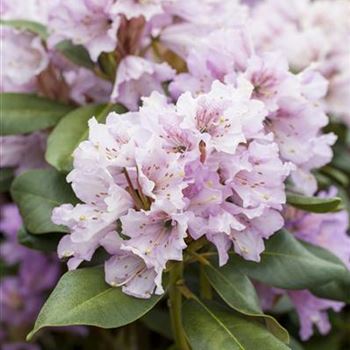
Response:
column 175, row 174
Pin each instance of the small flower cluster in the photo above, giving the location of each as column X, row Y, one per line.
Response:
column 22, row 295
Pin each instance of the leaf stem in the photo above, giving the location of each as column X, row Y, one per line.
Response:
column 175, row 304
column 199, row 257
column 205, row 287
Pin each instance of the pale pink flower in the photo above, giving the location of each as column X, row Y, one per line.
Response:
column 23, row 57
column 130, row 272
column 156, row 237
column 136, row 8
column 311, row 310
column 85, row 22
column 86, row 87
column 137, row 77
column 23, row 152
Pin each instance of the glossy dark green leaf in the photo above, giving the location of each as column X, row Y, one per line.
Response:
column 75, row 53
column 339, row 291
column 31, row 26
column 36, row 193
column 6, row 177
column 82, row 297
column 238, row 292
column 158, row 320
column 23, row 113
column 213, row 327
column 314, row 204
column 295, row 345
column 336, row 290
column 73, row 129
column 286, row 263
column 45, row 243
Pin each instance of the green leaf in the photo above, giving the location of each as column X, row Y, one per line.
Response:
column 336, row 175
column 158, row 320
column 8, row 270
column 341, row 159
column 73, row 129
column 36, row 193
column 325, row 254
column 45, row 243
column 337, row 290
column 31, row 26
column 108, row 64
column 213, row 327
column 82, row 297
column 23, row 113
column 314, row 204
column 295, row 345
column 75, row 53
column 286, row 263
column 6, row 177
column 238, row 292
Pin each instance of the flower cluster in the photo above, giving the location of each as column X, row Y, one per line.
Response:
column 22, row 295
column 310, row 33
column 324, row 230
column 171, row 173
column 239, row 119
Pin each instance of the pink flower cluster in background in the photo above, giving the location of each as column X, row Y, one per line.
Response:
column 23, row 294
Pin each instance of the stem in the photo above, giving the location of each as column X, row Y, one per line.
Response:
column 133, row 194
column 143, row 198
column 102, row 75
column 176, row 274
column 198, row 244
column 205, row 287
column 155, row 48
column 199, row 257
